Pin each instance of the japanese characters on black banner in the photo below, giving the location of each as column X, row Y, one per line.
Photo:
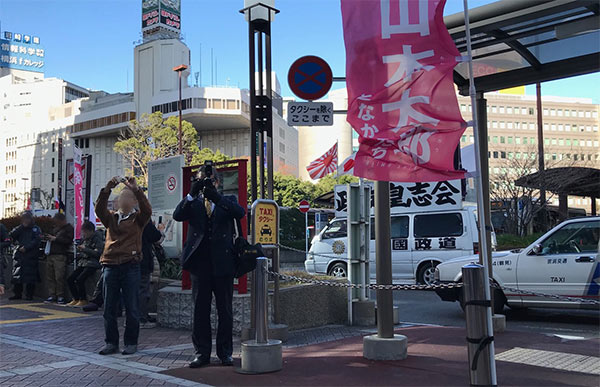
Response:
column 310, row 113
column 411, row 197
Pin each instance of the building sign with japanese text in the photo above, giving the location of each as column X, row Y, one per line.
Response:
column 21, row 52
column 310, row 113
column 409, row 197
column 405, row 111
column 163, row 13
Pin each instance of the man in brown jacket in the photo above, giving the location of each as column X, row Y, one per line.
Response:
column 61, row 242
column 121, row 261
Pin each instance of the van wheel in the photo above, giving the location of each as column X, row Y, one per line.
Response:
column 338, row 270
column 425, row 273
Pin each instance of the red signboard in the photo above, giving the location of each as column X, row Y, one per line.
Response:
column 310, row 77
column 304, row 206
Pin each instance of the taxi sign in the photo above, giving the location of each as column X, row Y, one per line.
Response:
column 265, row 222
column 310, row 77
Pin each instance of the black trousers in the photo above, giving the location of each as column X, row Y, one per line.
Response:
column 204, row 285
column 76, row 282
column 29, row 289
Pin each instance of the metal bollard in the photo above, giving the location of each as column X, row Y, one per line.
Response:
column 261, row 355
column 482, row 366
column 261, row 288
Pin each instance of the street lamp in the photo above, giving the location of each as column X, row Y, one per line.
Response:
column 179, row 69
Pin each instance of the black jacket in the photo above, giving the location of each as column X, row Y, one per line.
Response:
column 89, row 255
column 216, row 234
column 150, row 236
column 63, row 243
column 30, row 239
column 4, row 243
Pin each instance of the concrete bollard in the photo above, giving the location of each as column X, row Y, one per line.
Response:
column 482, row 366
column 261, row 355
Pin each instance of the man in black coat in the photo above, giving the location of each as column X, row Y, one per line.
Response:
column 208, row 255
column 27, row 237
column 4, row 245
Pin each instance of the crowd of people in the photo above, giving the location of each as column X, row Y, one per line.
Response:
column 123, row 253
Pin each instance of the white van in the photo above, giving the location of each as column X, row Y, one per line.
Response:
column 419, row 240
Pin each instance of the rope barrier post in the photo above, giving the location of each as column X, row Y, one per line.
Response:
column 482, row 367
column 261, row 355
column 385, row 345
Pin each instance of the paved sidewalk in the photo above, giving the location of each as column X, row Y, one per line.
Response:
column 51, row 345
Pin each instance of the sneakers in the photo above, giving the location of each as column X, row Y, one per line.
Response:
column 109, row 349
column 129, row 350
column 147, row 325
column 73, row 303
column 61, row 301
column 50, row 300
column 90, row 307
column 81, row 303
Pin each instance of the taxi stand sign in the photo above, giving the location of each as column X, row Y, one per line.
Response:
column 265, row 223
column 310, row 113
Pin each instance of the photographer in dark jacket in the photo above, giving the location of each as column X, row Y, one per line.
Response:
column 61, row 241
column 88, row 261
column 150, row 236
column 208, row 255
column 27, row 238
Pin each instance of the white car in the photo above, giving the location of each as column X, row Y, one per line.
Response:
column 564, row 262
column 419, row 241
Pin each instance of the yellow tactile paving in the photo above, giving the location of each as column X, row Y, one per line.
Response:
column 47, row 313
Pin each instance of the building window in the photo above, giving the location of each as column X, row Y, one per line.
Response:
column 502, row 140
column 53, row 147
column 282, row 147
column 545, row 112
column 502, row 109
column 552, row 112
column 495, row 154
column 52, row 178
column 53, row 162
column 282, row 133
column 494, row 109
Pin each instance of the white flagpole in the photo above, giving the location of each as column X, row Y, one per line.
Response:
column 480, row 199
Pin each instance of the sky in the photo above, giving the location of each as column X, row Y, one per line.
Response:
column 91, row 42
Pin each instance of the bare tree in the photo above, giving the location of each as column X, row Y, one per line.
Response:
column 522, row 204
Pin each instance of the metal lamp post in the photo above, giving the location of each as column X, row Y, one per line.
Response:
column 179, row 69
column 25, row 196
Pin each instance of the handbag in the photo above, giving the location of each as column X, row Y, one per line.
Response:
column 245, row 254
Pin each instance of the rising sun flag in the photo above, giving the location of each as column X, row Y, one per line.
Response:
column 325, row 164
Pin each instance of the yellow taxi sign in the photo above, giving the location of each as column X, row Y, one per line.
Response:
column 265, row 222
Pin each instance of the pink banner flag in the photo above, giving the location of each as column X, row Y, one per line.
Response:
column 325, row 164
column 401, row 96
column 78, row 183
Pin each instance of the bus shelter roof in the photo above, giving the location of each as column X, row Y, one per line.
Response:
column 520, row 42
column 577, row 181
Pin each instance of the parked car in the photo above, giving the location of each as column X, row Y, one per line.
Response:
column 564, row 262
column 420, row 241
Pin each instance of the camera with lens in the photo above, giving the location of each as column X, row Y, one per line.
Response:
column 208, row 174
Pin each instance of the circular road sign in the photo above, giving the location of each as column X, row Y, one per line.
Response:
column 304, row 206
column 310, row 77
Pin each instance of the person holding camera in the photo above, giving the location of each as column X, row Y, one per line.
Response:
column 88, row 255
column 27, row 236
column 208, row 256
column 121, row 261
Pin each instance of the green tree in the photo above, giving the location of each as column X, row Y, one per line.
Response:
column 208, row 154
column 151, row 138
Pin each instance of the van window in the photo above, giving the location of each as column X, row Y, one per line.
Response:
column 399, row 227
column 336, row 229
column 438, row 225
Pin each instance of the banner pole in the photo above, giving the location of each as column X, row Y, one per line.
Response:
column 480, row 197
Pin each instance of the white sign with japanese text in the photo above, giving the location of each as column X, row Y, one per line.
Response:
column 409, row 197
column 310, row 113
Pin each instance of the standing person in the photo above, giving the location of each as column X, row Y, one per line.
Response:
column 88, row 256
column 150, row 236
column 4, row 245
column 208, row 255
column 61, row 241
column 27, row 237
column 121, row 261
